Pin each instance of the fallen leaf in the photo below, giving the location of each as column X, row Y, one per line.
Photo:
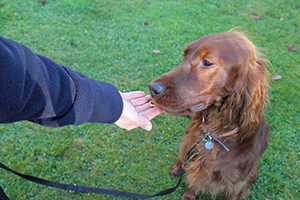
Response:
column 294, row 24
column 255, row 16
column 42, row 2
column 298, row 6
column 2, row 4
column 248, row 6
column 156, row 51
column 276, row 77
column 146, row 23
column 292, row 47
column 277, row 29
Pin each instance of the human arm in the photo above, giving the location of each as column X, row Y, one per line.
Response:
column 37, row 89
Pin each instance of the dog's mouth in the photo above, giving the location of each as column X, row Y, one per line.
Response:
column 188, row 110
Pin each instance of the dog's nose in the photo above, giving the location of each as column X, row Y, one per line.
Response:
column 156, row 88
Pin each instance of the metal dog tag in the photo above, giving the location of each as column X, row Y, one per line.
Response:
column 209, row 145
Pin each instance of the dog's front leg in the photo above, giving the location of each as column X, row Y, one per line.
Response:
column 176, row 169
column 188, row 195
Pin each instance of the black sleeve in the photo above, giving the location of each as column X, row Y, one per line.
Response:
column 35, row 88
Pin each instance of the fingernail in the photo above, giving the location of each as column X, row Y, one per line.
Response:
column 148, row 128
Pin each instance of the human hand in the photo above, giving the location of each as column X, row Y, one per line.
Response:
column 136, row 111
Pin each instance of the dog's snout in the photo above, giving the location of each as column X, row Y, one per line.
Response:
column 156, row 88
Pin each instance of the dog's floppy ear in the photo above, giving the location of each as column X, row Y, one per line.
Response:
column 246, row 103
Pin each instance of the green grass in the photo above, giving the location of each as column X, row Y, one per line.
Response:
column 108, row 41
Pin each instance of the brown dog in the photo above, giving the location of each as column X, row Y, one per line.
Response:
column 221, row 84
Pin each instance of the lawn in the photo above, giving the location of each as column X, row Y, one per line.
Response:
column 113, row 41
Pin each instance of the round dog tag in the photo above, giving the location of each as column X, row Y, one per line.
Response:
column 209, row 145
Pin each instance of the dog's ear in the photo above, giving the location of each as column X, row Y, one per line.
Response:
column 246, row 103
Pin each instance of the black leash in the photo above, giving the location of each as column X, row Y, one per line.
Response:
column 3, row 195
column 81, row 189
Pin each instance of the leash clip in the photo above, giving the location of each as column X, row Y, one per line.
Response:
column 207, row 137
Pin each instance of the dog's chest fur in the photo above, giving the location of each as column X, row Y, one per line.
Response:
column 216, row 170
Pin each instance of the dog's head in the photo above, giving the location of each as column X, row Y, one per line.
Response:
column 223, row 69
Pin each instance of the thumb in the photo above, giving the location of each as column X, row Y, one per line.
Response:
column 145, row 123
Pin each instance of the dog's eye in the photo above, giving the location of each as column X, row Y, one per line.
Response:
column 207, row 63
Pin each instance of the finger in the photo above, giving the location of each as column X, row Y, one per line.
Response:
column 142, row 108
column 134, row 94
column 151, row 112
column 145, row 123
column 148, row 96
column 142, row 122
column 140, row 101
column 128, row 128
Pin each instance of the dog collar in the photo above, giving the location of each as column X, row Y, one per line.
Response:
column 208, row 142
column 208, row 135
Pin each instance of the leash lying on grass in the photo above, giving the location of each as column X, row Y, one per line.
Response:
column 81, row 189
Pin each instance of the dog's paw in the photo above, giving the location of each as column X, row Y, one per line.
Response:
column 188, row 195
column 176, row 169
